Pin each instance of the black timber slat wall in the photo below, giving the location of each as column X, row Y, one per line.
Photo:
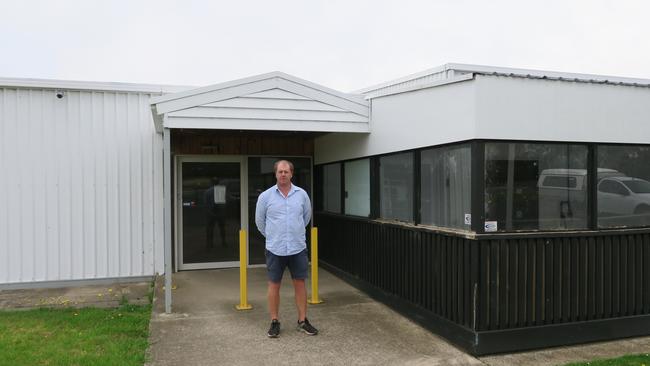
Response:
column 500, row 288
column 541, row 281
column 429, row 270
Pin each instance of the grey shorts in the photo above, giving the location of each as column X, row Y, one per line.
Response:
column 275, row 265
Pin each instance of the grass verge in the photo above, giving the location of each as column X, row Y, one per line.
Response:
column 629, row 360
column 87, row 336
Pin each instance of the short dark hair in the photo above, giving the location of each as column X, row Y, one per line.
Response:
column 275, row 166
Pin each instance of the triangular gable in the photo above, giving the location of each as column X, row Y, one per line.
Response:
column 274, row 101
column 275, row 94
column 255, row 101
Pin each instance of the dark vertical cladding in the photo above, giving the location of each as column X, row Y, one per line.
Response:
column 429, row 270
column 572, row 279
column 500, row 293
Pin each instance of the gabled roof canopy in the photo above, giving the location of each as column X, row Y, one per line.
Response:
column 271, row 102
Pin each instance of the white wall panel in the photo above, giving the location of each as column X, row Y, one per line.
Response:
column 80, row 186
column 551, row 110
column 88, row 186
column 158, row 205
column 4, row 184
column 405, row 121
column 12, row 189
column 497, row 107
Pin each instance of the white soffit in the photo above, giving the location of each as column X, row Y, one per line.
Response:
column 272, row 102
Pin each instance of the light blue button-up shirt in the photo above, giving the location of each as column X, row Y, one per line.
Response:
column 282, row 220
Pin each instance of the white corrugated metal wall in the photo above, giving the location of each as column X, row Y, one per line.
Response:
column 80, row 186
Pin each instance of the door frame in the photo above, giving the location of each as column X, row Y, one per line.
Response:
column 178, row 206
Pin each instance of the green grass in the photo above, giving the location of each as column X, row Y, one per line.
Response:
column 86, row 336
column 630, row 360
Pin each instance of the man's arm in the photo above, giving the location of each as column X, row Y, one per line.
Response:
column 260, row 214
column 306, row 209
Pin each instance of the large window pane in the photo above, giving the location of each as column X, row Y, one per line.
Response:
column 446, row 186
column 332, row 188
column 623, row 186
column 396, row 187
column 532, row 186
column 357, row 187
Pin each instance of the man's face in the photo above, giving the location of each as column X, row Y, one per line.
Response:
column 283, row 174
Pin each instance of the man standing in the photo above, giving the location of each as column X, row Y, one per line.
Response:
column 281, row 215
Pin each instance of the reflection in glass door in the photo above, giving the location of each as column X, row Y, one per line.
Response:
column 210, row 214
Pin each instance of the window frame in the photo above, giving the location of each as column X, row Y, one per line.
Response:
column 437, row 150
column 414, row 193
column 477, row 190
column 324, row 175
column 632, row 226
column 344, row 192
column 590, row 192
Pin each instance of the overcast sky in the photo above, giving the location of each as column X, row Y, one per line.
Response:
column 344, row 45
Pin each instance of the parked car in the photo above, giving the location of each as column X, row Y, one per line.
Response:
column 562, row 198
column 622, row 200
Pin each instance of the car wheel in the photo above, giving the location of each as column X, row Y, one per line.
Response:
column 642, row 213
column 642, row 210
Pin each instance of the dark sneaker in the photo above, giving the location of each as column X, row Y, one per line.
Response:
column 307, row 328
column 274, row 331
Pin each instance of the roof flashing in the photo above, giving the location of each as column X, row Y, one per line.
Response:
column 448, row 72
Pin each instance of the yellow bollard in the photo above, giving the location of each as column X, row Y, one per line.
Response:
column 314, row 268
column 243, row 263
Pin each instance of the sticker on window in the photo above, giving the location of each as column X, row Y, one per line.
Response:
column 490, row 226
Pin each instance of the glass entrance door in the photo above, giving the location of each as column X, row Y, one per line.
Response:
column 210, row 212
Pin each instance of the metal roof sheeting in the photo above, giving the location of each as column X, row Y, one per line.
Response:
column 91, row 85
column 449, row 73
column 436, row 74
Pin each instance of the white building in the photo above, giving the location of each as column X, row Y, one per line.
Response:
column 472, row 197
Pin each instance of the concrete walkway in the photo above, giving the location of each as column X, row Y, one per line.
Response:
column 205, row 329
column 354, row 330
